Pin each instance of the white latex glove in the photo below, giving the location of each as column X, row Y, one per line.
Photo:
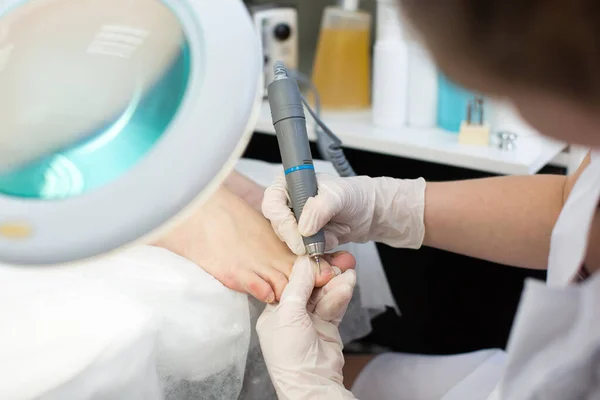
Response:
column 299, row 337
column 357, row 209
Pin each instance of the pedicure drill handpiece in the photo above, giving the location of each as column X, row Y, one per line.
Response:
column 289, row 121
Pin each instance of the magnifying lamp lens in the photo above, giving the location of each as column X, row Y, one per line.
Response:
column 87, row 89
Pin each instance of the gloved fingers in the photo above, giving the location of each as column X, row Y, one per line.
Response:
column 286, row 229
column 317, row 212
column 334, row 301
column 329, row 332
column 291, row 304
column 275, row 207
column 319, row 293
column 333, row 307
column 335, row 234
column 341, row 279
column 278, row 192
column 264, row 317
column 301, row 283
column 338, row 229
column 331, row 240
column 276, row 279
column 325, row 179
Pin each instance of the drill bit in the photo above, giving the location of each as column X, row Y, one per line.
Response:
column 316, row 258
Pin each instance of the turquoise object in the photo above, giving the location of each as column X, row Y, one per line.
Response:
column 452, row 104
column 110, row 152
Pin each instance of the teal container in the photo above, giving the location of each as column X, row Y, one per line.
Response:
column 452, row 104
column 112, row 150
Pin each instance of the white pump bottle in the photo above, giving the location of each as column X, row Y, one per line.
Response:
column 390, row 68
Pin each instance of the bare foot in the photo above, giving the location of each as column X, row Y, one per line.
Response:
column 236, row 244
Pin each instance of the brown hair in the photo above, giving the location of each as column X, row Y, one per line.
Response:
column 552, row 45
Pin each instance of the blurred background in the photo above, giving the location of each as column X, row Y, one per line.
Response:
column 310, row 13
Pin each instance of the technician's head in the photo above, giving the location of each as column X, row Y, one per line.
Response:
column 542, row 55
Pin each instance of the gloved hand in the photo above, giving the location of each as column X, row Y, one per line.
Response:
column 299, row 337
column 357, row 209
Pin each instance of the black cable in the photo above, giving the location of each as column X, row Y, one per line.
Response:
column 330, row 146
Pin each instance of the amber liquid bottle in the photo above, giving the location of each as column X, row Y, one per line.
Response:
column 342, row 67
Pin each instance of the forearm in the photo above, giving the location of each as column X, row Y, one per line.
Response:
column 508, row 220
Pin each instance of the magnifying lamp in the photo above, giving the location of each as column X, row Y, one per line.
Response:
column 115, row 117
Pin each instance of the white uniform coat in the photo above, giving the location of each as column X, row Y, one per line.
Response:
column 554, row 350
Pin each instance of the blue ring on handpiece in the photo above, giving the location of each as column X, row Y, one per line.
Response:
column 299, row 168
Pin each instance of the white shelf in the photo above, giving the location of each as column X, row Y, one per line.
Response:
column 356, row 131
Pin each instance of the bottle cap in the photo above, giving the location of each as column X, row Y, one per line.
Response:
column 389, row 21
column 349, row 5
